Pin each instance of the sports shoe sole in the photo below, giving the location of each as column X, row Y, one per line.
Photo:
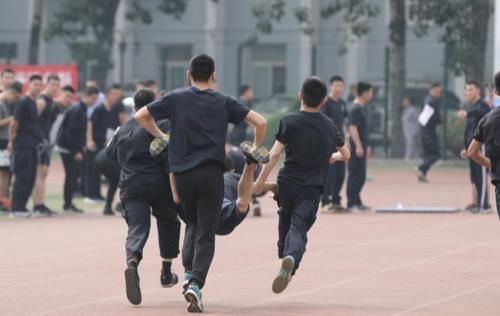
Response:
column 158, row 145
column 255, row 154
column 132, row 285
column 281, row 281
column 194, row 306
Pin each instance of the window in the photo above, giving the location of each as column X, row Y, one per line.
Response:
column 268, row 70
column 176, row 75
column 174, row 61
column 8, row 53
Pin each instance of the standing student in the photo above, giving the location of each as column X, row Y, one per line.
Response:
column 335, row 108
column 71, row 143
column 430, row 140
column 46, row 119
column 199, row 118
column 145, row 189
column 487, row 135
column 24, row 136
column 475, row 110
column 360, row 146
column 310, row 141
column 105, row 118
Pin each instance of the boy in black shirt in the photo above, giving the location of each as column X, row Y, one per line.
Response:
column 145, row 189
column 488, row 134
column 360, row 145
column 335, row 108
column 23, row 139
column 310, row 140
column 46, row 119
column 198, row 117
column 71, row 144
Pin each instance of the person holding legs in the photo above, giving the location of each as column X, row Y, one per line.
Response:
column 311, row 141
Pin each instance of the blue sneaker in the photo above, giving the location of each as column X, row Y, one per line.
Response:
column 193, row 297
column 185, row 283
column 284, row 275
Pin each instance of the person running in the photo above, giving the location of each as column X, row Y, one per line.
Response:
column 199, row 118
column 310, row 141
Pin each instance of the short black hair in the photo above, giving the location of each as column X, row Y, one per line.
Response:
column 7, row 70
column 313, row 91
column 53, row 77
column 114, row 86
column 89, row 91
column 497, row 81
column 473, row 83
column 229, row 164
column 435, row 85
column 201, row 67
column 143, row 97
column 68, row 88
column 363, row 87
column 336, row 78
column 244, row 88
column 17, row 87
column 35, row 77
column 149, row 83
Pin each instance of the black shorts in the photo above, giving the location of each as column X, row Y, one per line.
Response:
column 44, row 152
column 230, row 218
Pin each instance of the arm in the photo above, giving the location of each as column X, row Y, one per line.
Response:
column 259, row 125
column 354, row 134
column 275, row 154
column 175, row 195
column 5, row 121
column 89, row 137
column 475, row 154
column 144, row 118
column 245, row 188
column 12, row 133
column 343, row 154
column 40, row 105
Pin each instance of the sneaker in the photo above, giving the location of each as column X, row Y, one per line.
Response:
column 158, row 145
column 185, row 283
column 284, row 275
column 359, row 208
column 132, row 284
column 20, row 214
column 254, row 153
column 471, row 207
column 485, row 210
column 337, row 208
column 119, row 207
column 168, row 279
column 326, row 208
column 42, row 210
column 89, row 201
column 72, row 208
column 108, row 211
column 193, row 297
column 421, row 176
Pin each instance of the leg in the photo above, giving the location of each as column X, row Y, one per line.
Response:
column 497, row 191
column 24, row 168
column 137, row 215
column 354, row 181
column 480, row 184
column 4, row 183
column 41, row 179
column 92, row 176
column 338, row 181
column 327, row 196
column 70, row 179
column 245, row 186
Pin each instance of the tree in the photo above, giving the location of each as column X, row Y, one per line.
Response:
column 465, row 31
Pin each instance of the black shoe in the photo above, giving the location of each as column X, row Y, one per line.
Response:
column 132, row 284
column 359, row 208
column 168, row 279
column 72, row 208
column 41, row 210
column 108, row 211
column 119, row 207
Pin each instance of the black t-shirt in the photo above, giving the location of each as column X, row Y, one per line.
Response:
column 358, row 117
column 435, row 119
column 46, row 118
column 310, row 139
column 104, row 120
column 130, row 147
column 475, row 113
column 488, row 133
column 28, row 131
column 337, row 112
column 198, row 121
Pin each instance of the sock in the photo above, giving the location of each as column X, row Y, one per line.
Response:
column 166, row 265
column 132, row 263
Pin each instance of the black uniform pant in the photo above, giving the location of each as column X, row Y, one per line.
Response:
column 140, row 197
column 432, row 152
column 297, row 213
column 24, row 166
column 201, row 191
column 356, row 179
column 111, row 170
column 479, row 178
column 497, row 191
column 92, row 176
column 71, row 167
column 334, row 182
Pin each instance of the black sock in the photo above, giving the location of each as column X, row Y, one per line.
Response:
column 166, row 265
